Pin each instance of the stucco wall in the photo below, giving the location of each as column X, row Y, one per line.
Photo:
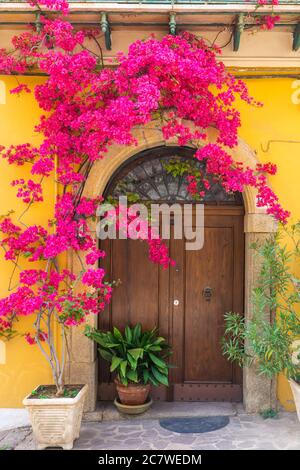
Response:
column 278, row 119
column 23, row 367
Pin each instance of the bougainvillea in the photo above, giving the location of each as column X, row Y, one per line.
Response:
column 87, row 109
column 270, row 20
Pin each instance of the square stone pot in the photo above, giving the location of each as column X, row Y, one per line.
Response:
column 56, row 421
column 296, row 394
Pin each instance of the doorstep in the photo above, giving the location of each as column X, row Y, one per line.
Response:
column 106, row 411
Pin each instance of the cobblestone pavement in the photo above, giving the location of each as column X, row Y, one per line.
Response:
column 243, row 432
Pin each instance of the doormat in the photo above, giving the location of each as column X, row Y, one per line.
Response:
column 194, row 425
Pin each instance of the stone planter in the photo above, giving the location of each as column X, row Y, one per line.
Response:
column 56, row 421
column 296, row 394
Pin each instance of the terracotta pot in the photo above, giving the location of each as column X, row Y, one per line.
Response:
column 56, row 421
column 296, row 394
column 132, row 394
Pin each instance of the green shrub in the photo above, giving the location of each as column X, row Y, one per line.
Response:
column 135, row 356
column 269, row 338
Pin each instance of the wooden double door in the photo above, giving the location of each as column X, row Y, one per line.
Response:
column 186, row 302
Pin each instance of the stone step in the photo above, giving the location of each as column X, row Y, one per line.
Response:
column 106, row 411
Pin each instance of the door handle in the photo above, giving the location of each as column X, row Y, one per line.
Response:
column 207, row 293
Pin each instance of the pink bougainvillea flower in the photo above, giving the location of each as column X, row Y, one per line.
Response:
column 94, row 256
column 94, row 277
column 58, row 5
column 177, row 81
column 20, row 88
column 30, row 339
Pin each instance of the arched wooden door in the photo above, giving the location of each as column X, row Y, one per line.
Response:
column 187, row 302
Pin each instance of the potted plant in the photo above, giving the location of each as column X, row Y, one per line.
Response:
column 50, row 297
column 138, row 359
column 56, row 410
column 272, row 346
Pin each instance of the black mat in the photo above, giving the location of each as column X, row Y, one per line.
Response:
column 194, row 425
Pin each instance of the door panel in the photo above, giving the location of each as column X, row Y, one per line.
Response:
column 195, row 326
column 209, row 268
column 142, row 296
column 198, row 323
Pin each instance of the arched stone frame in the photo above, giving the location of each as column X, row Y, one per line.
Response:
column 258, row 391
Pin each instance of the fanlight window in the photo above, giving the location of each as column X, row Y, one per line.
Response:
column 147, row 177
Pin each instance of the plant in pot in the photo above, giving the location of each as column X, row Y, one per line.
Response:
column 138, row 359
column 51, row 298
column 56, row 410
column 270, row 339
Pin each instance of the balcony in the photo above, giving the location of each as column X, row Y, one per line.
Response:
column 166, row 15
column 245, row 3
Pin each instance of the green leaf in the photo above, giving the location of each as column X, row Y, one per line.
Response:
column 107, row 356
column 137, row 332
column 123, row 368
column 132, row 375
column 136, row 353
column 116, row 361
column 146, row 338
column 146, row 375
column 87, row 331
column 153, row 381
column 161, row 378
column 153, row 348
column 132, row 362
column 117, row 334
column 111, row 345
column 159, row 340
column 105, row 340
column 157, row 361
column 124, row 380
column 128, row 334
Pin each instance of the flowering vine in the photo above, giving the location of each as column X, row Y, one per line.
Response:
column 267, row 21
column 87, row 108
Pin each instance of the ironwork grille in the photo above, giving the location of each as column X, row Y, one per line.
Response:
column 147, row 177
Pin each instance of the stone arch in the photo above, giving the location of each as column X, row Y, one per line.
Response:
column 258, row 391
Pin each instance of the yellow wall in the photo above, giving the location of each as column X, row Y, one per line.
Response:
column 24, row 367
column 278, row 119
